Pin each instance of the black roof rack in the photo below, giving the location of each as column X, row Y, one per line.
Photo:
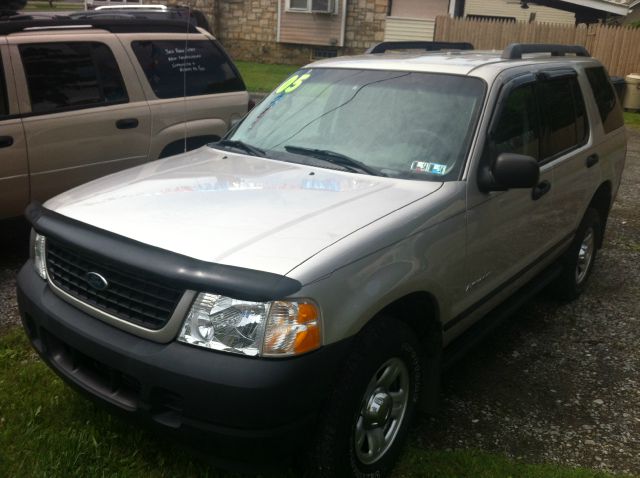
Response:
column 418, row 45
column 516, row 50
column 114, row 25
column 171, row 13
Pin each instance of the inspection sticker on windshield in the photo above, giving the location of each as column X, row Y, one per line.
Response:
column 426, row 167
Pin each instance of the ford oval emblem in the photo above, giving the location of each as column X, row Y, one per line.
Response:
column 96, row 281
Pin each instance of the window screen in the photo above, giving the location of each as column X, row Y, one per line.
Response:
column 608, row 105
column 516, row 130
column 206, row 68
column 62, row 76
column 557, row 108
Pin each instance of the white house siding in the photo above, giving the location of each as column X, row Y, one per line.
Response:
column 424, row 9
column 399, row 29
column 512, row 9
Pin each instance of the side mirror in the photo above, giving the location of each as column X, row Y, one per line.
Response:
column 510, row 171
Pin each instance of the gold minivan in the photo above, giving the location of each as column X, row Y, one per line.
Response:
column 80, row 99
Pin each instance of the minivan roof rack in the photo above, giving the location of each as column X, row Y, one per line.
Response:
column 419, row 45
column 516, row 50
column 114, row 25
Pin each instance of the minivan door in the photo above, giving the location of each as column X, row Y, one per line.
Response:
column 14, row 168
column 84, row 113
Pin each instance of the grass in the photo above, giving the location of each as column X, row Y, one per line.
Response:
column 632, row 119
column 46, row 429
column 261, row 77
column 57, row 6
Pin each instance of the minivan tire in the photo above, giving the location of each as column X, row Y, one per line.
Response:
column 385, row 346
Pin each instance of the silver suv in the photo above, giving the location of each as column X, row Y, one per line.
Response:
column 316, row 269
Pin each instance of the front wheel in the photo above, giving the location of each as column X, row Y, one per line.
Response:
column 367, row 417
column 579, row 259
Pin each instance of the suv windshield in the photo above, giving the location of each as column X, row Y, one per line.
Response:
column 392, row 123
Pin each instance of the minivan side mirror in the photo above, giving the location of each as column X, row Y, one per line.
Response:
column 510, row 171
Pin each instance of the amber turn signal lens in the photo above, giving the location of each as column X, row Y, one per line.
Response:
column 293, row 328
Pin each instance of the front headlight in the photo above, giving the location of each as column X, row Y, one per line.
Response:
column 39, row 256
column 280, row 328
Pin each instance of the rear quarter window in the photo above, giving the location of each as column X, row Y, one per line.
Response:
column 175, row 68
column 606, row 99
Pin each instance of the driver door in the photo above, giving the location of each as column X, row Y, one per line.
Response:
column 507, row 231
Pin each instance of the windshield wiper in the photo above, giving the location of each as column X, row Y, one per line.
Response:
column 247, row 148
column 335, row 158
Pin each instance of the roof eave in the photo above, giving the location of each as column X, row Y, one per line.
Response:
column 602, row 5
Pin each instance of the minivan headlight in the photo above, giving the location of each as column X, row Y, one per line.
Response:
column 275, row 329
column 38, row 244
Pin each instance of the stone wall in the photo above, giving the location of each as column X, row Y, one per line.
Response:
column 248, row 28
column 365, row 24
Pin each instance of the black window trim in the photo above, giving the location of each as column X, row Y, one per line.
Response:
column 66, row 109
column 4, row 92
column 553, row 75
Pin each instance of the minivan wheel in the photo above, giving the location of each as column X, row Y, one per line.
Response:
column 369, row 412
column 579, row 259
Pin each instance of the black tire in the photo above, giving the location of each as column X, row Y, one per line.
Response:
column 382, row 342
column 570, row 284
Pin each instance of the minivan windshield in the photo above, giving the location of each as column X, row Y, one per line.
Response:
column 390, row 123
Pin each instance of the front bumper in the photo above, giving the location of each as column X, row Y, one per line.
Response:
column 176, row 385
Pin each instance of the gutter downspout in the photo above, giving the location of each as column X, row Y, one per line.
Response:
column 344, row 22
column 278, row 22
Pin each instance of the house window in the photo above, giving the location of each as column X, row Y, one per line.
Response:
column 312, row 6
column 299, row 5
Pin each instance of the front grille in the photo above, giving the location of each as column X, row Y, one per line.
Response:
column 130, row 296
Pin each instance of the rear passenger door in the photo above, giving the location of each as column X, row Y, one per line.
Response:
column 565, row 148
column 14, row 169
column 83, row 112
column 602, row 156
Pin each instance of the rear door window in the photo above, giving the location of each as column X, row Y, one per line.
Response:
column 73, row 75
column 605, row 96
column 178, row 68
column 562, row 111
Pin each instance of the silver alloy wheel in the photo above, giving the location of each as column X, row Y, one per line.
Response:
column 585, row 255
column 382, row 412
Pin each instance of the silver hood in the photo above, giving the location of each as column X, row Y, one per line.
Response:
column 237, row 210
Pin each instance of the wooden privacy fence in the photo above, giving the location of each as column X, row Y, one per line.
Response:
column 618, row 48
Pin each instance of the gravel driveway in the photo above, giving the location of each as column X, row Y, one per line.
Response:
column 557, row 383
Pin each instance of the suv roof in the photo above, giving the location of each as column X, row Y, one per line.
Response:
column 456, row 58
column 114, row 25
